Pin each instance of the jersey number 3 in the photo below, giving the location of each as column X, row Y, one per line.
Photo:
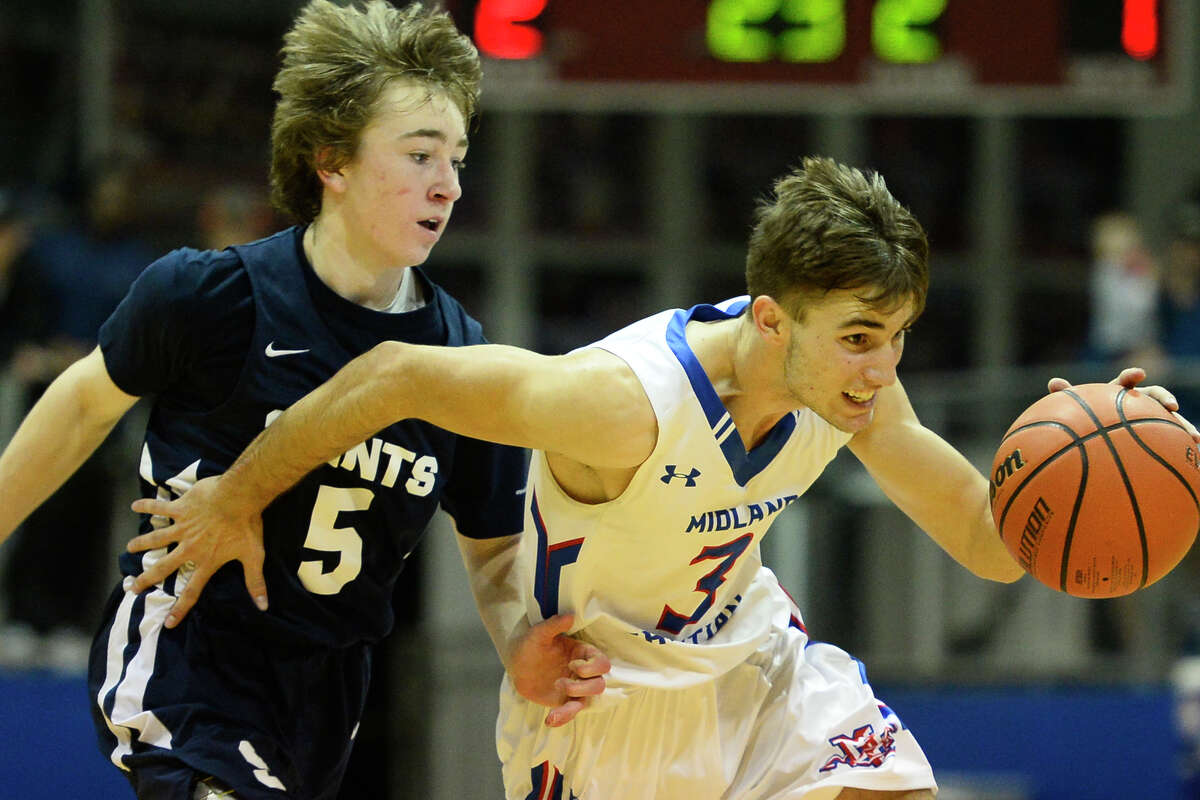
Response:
column 326, row 536
column 551, row 559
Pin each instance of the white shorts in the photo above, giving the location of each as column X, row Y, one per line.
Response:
column 797, row 720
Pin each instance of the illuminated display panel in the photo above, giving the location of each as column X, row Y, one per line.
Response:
column 1108, row 49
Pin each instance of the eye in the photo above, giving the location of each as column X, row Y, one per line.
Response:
column 419, row 157
column 856, row 339
column 458, row 164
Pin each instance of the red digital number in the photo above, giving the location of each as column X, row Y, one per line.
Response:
column 1139, row 29
column 499, row 32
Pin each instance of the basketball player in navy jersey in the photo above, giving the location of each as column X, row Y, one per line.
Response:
column 662, row 454
column 368, row 137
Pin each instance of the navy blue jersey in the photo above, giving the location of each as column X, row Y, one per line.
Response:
column 225, row 342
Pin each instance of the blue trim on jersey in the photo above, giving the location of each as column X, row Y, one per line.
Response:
column 745, row 465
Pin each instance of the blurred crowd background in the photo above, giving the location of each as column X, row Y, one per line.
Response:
column 1064, row 244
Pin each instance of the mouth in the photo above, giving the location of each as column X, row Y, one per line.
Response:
column 432, row 224
column 859, row 398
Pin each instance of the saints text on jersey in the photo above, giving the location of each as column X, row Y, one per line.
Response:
column 368, row 457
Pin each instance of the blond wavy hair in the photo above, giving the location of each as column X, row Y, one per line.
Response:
column 337, row 63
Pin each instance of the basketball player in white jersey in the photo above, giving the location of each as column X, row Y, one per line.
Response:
column 662, row 454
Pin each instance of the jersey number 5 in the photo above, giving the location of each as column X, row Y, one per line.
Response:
column 326, row 536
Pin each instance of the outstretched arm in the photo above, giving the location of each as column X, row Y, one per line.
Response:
column 561, row 404
column 70, row 420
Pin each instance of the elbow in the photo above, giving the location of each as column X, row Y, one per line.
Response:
column 386, row 354
column 383, row 365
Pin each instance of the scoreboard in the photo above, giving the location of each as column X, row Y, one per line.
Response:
column 1115, row 56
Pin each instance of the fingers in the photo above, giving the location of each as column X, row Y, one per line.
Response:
column 1188, row 426
column 554, row 626
column 1162, row 396
column 157, row 572
column 153, row 540
column 561, row 715
column 589, row 662
column 577, row 687
column 256, row 585
column 1130, row 377
column 577, row 692
column 153, row 506
column 188, row 597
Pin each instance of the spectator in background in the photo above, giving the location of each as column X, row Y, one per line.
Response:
column 1124, row 294
column 1181, row 286
column 58, row 291
column 233, row 213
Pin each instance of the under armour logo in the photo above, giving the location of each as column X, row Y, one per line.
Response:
column 689, row 478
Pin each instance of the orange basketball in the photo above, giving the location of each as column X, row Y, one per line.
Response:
column 1094, row 490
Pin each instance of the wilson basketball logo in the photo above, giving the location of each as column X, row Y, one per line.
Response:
column 1004, row 471
column 1031, row 534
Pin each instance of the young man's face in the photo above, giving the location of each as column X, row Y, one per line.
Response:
column 402, row 184
column 841, row 352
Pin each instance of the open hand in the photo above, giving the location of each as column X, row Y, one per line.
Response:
column 207, row 533
column 1130, row 377
column 552, row 669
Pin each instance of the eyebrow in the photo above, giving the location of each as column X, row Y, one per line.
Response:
column 862, row 322
column 431, row 133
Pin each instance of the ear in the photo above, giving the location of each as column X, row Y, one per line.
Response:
column 331, row 179
column 770, row 319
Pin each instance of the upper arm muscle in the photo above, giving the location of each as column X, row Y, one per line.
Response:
column 101, row 401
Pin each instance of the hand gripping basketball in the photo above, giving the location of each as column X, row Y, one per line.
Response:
column 1095, row 489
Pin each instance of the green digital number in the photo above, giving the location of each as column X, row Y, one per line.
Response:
column 818, row 31
column 895, row 33
column 731, row 33
column 820, row 34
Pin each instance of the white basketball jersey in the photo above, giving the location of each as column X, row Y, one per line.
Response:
column 667, row 579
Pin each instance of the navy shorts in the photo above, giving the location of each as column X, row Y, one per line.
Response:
column 269, row 719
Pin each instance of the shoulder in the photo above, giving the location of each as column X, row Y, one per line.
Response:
column 454, row 315
column 187, row 273
column 614, row 403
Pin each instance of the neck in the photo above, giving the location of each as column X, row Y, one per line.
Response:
column 350, row 274
column 742, row 372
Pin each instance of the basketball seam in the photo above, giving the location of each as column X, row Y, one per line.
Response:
column 1169, row 467
column 1070, row 536
column 1112, row 449
column 1076, row 441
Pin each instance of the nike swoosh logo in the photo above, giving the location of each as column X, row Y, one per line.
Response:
column 273, row 353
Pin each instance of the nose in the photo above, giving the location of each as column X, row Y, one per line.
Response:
column 447, row 187
column 881, row 370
